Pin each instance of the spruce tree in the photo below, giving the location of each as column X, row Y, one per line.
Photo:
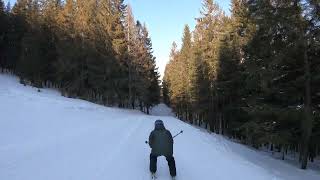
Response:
column 3, row 28
column 187, row 61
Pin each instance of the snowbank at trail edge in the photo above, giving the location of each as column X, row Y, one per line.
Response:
column 161, row 110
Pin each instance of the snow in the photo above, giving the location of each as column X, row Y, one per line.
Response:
column 44, row 136
column 161, row 110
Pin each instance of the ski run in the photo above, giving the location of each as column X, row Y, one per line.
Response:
column 44, row 136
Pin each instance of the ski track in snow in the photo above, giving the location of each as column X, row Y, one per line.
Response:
column 47, row 136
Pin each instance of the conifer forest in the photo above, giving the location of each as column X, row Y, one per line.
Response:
column 252, row 75
column 94, row 50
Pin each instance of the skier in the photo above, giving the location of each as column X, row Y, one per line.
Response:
column 161, row 143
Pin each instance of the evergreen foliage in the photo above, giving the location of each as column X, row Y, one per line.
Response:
column 252, row 76
column 80, row 47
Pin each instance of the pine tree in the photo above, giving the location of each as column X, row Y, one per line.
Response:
column 119, row 44
column 187, row 61
column 135, row 51
column 49, row 31
column 153, row 90
column 18, row 27
column 66, row 48
column 201, row 88
column 209, row 30
column 2, row 9
column 131, row 38
column 307, row 33
column 30, row 65
column 166, row 82
column 3, row 28
column 172, row 78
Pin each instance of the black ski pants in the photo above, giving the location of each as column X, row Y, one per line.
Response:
column 171, row 164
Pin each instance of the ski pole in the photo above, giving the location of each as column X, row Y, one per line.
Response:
column 178, row 134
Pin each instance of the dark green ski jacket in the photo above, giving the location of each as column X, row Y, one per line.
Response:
column 161, row 141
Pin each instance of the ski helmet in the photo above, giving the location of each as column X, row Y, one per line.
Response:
column 158, row 122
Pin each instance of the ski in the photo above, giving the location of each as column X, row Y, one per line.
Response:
column 153, row 176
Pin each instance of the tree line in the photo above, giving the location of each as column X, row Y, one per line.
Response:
column 89, row 49
column 252, row 75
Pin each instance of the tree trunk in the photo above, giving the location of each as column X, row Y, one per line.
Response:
column 307, row 122
column 190, row 117
column 133, row 104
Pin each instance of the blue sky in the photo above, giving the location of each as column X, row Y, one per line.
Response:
column 165, row 20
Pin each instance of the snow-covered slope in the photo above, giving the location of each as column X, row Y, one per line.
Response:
column 44, row 136
column 161, row 110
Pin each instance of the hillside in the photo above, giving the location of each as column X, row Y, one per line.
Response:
column 46, row 136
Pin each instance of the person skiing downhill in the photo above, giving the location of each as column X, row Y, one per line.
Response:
column 161, row 144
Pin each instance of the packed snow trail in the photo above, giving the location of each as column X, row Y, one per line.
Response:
column 44, row 136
